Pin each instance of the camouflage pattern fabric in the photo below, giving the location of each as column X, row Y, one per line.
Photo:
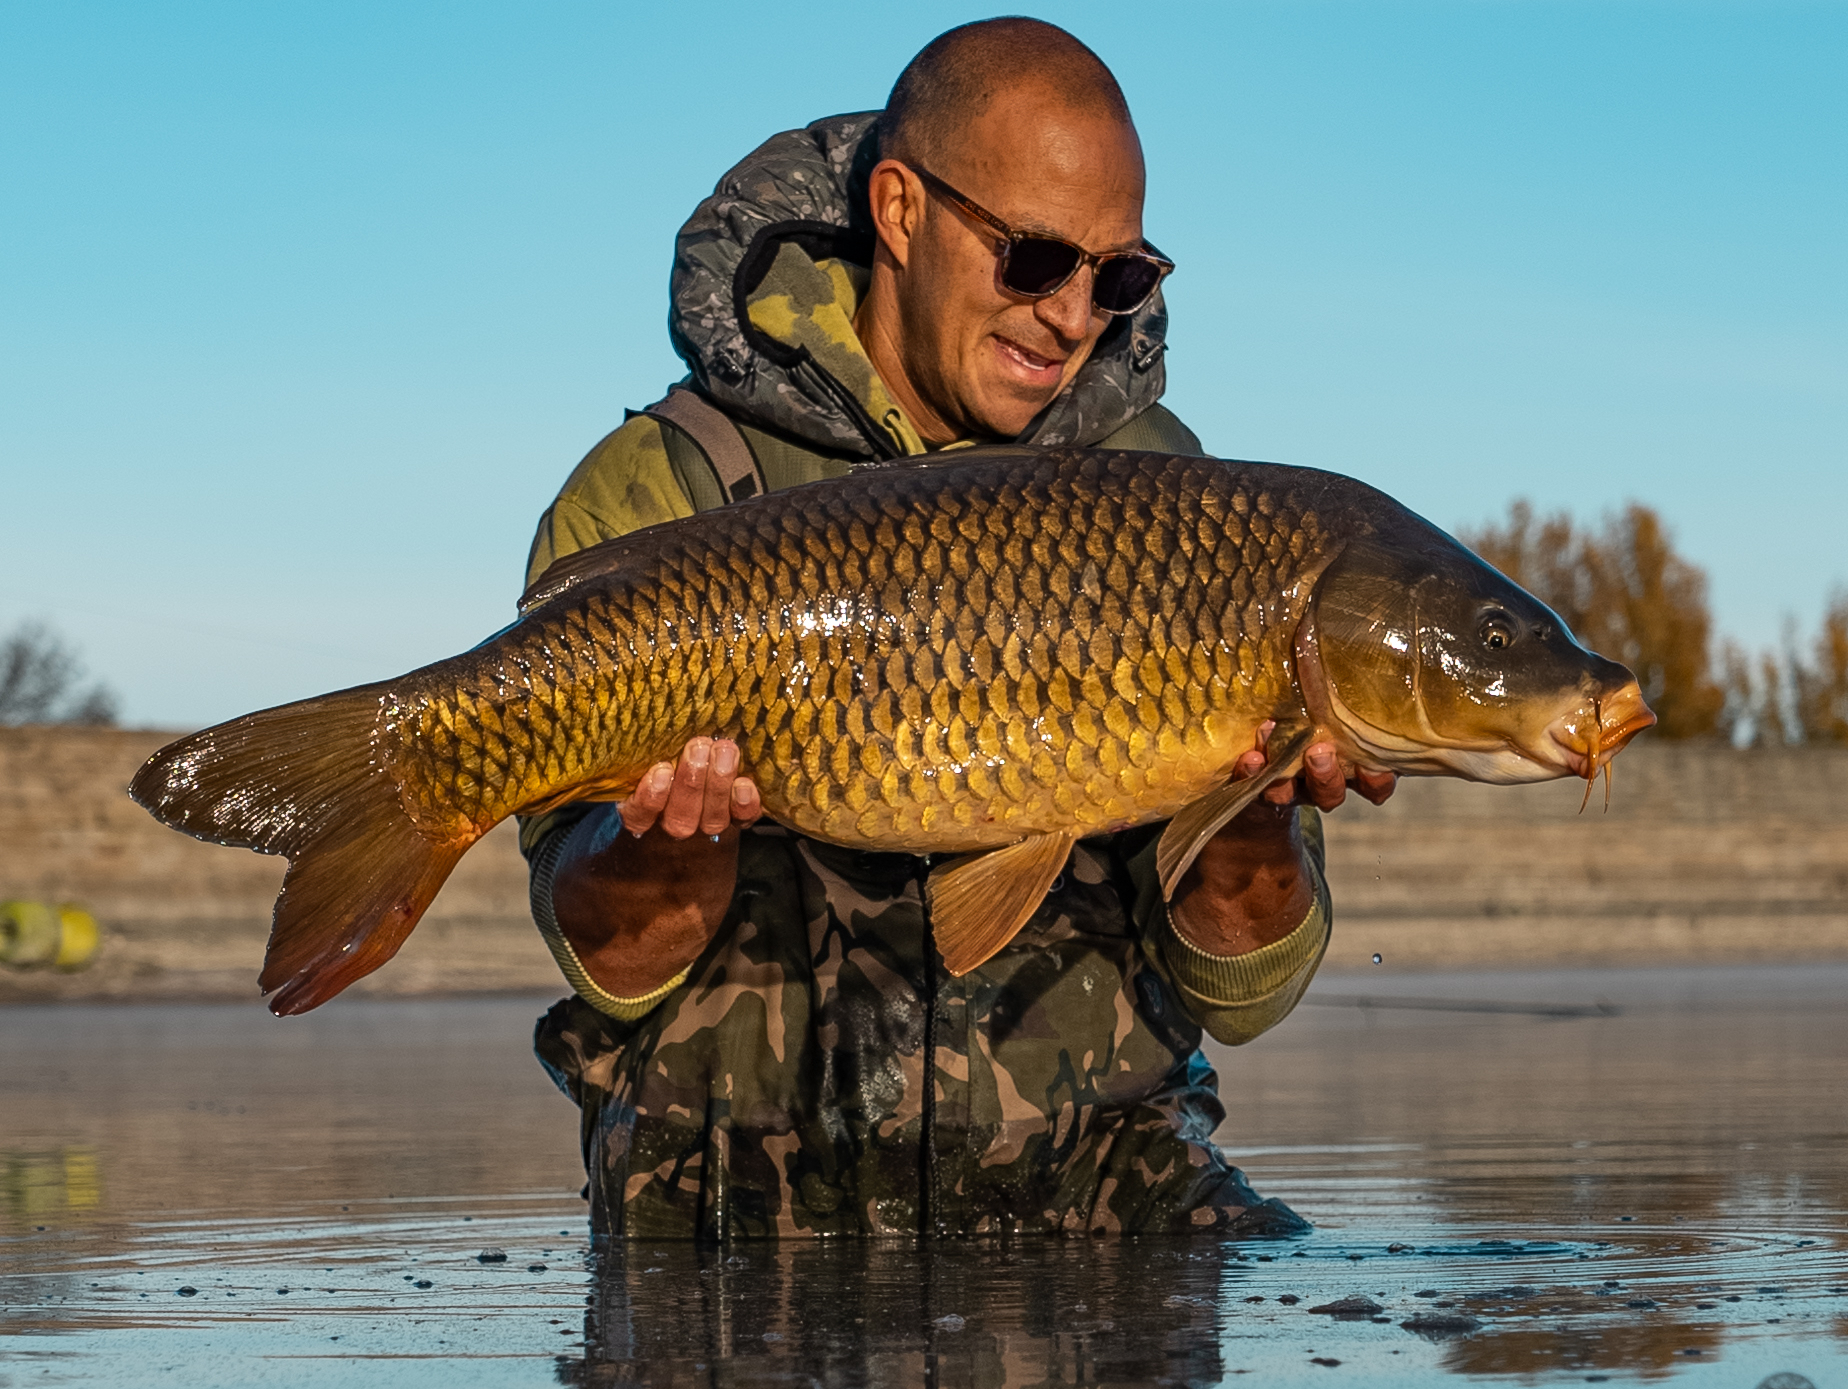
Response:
column 806, row 189
column 819, row 1074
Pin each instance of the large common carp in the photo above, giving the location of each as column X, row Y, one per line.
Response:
column 989, row 654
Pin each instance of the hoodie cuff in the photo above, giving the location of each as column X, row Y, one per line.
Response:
column 1230, row 980
column 545, row 863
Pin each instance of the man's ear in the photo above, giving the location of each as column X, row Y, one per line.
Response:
column 897, row 197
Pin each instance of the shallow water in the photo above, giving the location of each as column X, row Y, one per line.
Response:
column 1639, row 1178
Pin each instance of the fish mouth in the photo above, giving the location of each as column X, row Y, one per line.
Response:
column 1587, row 738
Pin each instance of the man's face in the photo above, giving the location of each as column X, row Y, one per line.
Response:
column 985, row 360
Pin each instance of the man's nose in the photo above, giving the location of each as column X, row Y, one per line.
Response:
column 1068, row 313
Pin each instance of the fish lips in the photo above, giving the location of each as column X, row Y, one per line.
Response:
column 1589, row 736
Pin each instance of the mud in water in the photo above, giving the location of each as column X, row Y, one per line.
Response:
column 1622, row 1177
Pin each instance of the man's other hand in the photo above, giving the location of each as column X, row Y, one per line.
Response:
column 1324, row 780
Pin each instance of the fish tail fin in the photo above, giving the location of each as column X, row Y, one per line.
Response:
column 307, row 780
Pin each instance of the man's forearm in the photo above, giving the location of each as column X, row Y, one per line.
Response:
column 1249, row 888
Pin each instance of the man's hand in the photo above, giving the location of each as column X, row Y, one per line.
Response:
column 1249, row 887
column 1324, row 780
column 701, row 794
column 643, row 886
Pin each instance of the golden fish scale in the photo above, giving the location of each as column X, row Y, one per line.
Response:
column 935, row 658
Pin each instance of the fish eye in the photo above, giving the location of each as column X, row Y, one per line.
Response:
column 1497, row 631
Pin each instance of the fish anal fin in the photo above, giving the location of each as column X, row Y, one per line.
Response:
column 979, row 903
column 1188, row 831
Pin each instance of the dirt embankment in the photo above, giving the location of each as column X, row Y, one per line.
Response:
column 1705, row 854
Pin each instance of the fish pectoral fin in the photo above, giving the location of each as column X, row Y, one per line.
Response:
column 1188, row 832
column 979, row 903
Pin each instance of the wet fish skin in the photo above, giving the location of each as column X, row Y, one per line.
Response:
column 1002, row 650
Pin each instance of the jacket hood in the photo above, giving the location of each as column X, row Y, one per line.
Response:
column 768, row 271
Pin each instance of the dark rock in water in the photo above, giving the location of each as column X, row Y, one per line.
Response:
column 1639, row 1302
column 189, row 1291
column 1359, row 1305
column 1439, row 1326
column 491, row 1255
column 1327, row 1360
column 1289, row 1299
column 1426, row 1292
column 423, row 1283
column 1398, row 1248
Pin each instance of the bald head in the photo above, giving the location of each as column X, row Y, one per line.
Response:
column 957, row 77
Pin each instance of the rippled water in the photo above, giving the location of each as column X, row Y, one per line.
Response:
column 1633, row 1176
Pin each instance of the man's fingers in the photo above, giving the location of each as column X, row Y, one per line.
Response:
column 644, row 806
column 1375, row 786
column 685, row 802
column 746, row 805
column 1324, row 785
column 701, row 794
column 715, row 807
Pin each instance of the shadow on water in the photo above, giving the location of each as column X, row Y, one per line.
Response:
column 1638, row 1192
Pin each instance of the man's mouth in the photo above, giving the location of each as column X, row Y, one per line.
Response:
column 1028, row 366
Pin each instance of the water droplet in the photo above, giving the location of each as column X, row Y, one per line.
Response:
column 1376, row 958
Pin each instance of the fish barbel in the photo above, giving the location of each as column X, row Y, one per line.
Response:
column 990, row 653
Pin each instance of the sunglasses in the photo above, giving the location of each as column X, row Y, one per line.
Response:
column 1035, row 266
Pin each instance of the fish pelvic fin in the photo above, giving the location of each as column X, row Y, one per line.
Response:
column 979, row 903
column 306, row 780
column 1188, row 831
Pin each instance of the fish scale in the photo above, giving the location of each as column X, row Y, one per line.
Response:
column 939, row 658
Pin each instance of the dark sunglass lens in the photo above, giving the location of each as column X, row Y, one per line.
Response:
column 1125, row 283
column 1039, row 265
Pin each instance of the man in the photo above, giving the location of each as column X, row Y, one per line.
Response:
column 763, row 1040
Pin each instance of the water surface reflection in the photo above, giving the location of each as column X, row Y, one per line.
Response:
column 202, row 1195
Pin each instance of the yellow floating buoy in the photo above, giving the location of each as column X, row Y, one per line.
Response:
column 77, row 939
column 33, row 934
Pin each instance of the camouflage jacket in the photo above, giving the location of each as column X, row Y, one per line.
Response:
column 816, row 1071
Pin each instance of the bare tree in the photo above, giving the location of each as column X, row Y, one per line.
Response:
column 42, row 681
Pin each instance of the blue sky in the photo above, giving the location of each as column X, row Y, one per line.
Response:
column 307, row 309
